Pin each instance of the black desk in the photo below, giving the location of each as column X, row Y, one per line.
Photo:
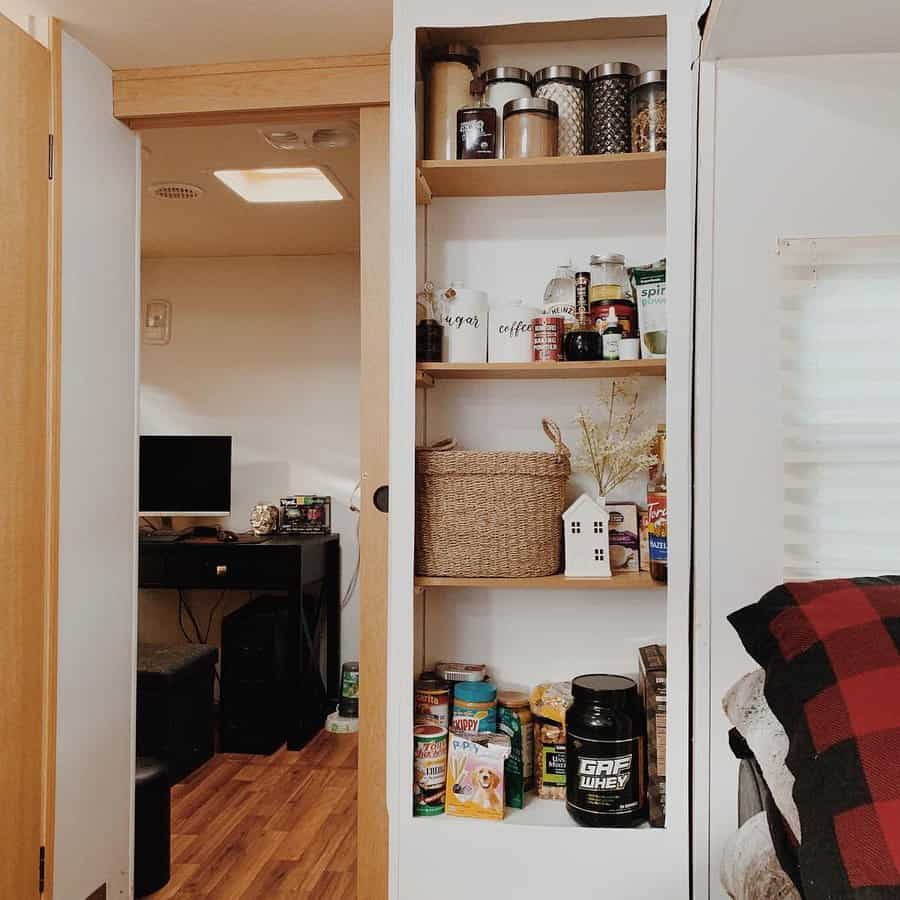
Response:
column 307, row 568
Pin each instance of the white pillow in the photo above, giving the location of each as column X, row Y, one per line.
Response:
column 750, row 868
column 747, row 710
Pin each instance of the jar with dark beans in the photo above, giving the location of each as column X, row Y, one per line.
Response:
column 608, row 107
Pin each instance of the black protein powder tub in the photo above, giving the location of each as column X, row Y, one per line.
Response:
column 605, row 753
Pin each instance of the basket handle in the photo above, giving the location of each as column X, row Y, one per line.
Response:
column 443, row 444
column 551, row 429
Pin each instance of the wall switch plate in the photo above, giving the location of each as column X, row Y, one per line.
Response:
column 156, row 324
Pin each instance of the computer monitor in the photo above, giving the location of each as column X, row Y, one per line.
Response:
column 185, row 475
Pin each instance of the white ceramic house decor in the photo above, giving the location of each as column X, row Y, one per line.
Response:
column 586, row 529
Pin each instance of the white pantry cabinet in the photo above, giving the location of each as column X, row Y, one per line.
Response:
column 485, row 233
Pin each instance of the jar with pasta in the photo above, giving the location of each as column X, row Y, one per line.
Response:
column 648, row 112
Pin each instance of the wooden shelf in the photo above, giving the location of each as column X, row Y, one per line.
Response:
column 605, row 174
column 423, row 192
column 538, row 813
column 428, row 373
column 639, row 582
column 616, row 28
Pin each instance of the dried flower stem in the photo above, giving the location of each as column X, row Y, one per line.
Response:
column 610, row 452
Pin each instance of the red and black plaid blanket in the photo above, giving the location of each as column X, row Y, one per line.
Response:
column 831, row 651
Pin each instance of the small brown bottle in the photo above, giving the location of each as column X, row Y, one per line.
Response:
column 476, row 128
column 657, row 514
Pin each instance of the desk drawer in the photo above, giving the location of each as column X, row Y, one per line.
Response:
column 213, row 567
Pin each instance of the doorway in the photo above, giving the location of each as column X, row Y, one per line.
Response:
column 251, row 327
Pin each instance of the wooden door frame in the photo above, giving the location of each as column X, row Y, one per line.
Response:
column 300, row 90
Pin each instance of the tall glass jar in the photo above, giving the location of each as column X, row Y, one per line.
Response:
column 564, row 85
column 648, row 112
column 608, row 119
column 530, row 128
column 502, row 84
column 447, row 87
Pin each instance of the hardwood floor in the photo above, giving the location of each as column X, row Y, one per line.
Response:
column 259, row 827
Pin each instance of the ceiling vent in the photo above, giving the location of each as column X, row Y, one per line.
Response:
column 176, row 190
column 333, row 138
column 311, row 137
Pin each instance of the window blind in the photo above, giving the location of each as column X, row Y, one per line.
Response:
column 840, row 361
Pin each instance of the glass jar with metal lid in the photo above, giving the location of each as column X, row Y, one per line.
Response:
column 648, row 112
column 450, row 69
column 609, row 280
column 502, row 84
column 565, row 86
column 530, row 128
column 608, row 102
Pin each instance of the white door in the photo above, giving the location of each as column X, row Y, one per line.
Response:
column 100, row 170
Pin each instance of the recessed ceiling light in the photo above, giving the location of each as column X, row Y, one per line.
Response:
column 308, row 184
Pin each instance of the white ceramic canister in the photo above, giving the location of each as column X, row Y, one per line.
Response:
column 465, row 321
column 510, row 336
column 502, row 84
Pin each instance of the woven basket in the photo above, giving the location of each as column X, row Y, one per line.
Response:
column 485, row 514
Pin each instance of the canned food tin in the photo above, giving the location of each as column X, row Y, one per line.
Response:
column 429, row 770
column 451, row 671
column 432, row 702
column 546, row 338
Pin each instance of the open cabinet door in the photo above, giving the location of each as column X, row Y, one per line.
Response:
column 24, row 196
column 99, row 300
column 372, row 827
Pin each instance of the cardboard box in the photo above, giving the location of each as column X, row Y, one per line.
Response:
column 644, row 540
column 475, row 764
column 624, row 539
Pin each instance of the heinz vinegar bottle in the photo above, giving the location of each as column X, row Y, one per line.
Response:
column 657, row 514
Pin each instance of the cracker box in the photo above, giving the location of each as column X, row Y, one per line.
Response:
column 624, row 539
column 475, row 774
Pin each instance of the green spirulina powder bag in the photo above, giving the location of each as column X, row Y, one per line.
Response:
column 513, row 773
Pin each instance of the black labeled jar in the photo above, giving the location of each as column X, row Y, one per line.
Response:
column 608, row 108
column 605, row 753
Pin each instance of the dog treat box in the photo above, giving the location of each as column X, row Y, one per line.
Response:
column 475, row 774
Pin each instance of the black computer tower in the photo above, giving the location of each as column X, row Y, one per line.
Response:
column 255, row 672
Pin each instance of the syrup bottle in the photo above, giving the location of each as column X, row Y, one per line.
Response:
column 657, row 514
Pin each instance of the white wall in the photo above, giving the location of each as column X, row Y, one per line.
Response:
column 265, row 349
column 22, row 14
column 98, row 496
column 799, row 147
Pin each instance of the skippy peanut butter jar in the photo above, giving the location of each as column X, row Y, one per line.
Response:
column 475, row 774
